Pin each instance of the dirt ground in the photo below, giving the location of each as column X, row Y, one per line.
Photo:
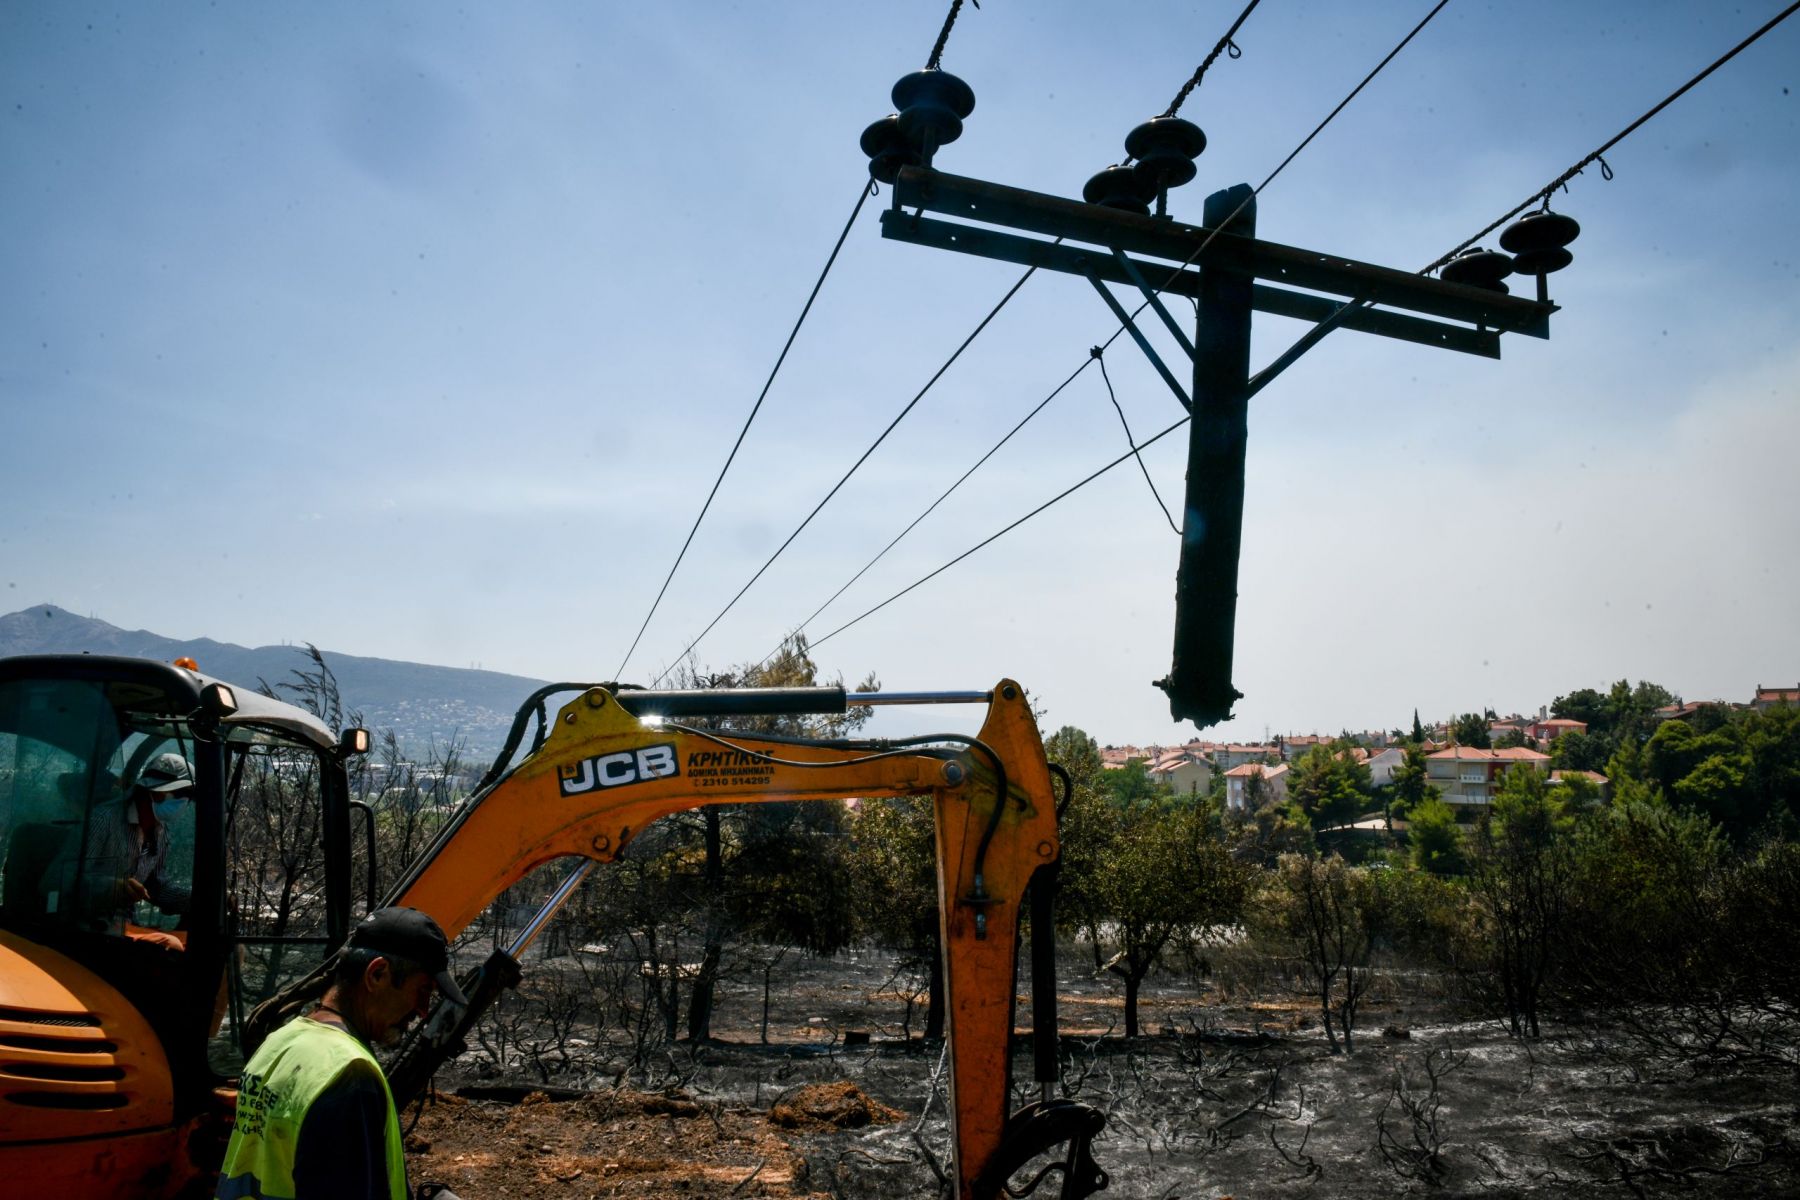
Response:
column 1235, row 1100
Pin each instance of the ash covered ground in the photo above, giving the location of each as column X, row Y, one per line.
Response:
column 1235, row 1093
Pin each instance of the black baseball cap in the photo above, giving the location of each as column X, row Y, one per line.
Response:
column 410, row 934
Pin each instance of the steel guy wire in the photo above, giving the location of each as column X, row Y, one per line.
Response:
column 901, row 416
column 1330, row 322
column 862, row 197
column 1562, row 180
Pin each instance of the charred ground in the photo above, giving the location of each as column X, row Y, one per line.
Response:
column 1233, row 1094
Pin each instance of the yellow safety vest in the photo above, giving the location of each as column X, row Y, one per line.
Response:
column 280, row 1082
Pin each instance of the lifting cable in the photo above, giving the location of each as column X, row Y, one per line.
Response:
column 854, row 467
column 1093, row 357
column 1562, row 181
column 862, row 196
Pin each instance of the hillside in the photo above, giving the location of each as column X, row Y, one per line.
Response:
column 423, row 704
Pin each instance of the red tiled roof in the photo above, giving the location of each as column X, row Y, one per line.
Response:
column 1521, row 754
column 1248, row 769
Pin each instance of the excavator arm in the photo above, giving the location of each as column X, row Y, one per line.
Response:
column 603, row 774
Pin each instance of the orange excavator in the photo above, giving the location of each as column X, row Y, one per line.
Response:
column 116, row 1054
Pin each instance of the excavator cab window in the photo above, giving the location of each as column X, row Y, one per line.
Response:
column 134, row 889
column 276, row 883
column 72, row 832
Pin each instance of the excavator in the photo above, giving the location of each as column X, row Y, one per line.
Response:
column 118, row 1052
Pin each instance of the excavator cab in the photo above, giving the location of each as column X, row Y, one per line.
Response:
column 113, row 1007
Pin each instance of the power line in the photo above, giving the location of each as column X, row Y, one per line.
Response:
column 1342, row 104
column 863, row 195
column 985, row 542
column 1225, row 45
column 943, row 496
column 1544, row 192
column 937, row 50
column 1326, row 326
column 901, row 416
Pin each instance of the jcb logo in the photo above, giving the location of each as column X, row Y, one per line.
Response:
column 616, row 770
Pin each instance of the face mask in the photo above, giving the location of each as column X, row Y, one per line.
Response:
column 168, row 809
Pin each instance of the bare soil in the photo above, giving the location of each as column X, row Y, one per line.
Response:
column 1228, row 1098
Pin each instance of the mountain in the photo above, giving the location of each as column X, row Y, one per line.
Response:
column 424, row 705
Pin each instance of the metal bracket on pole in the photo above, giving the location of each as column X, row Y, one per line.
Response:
column 1155, row 301
column 1143, row 343
column 1306, row 341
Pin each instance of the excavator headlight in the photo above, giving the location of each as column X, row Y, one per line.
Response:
column 353, row 741
column 219, row 700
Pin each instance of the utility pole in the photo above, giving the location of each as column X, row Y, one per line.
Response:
column 1231, row 274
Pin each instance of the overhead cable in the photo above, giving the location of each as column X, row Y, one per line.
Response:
column 987, row 541
column 862, row 196
column 937, row 50
column 1543, row 193
column 901, row 416
column 932, row 507
column 1225, row 45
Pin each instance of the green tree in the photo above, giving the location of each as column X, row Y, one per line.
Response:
column 1578, row 751
column 1132, row 784
column 1585, row 705
column 771, row 874
column 1436, row 839
column 894, row 866
column 1470, row 729
column 1140, row 878
column 1411, row 784
column 1330, row 785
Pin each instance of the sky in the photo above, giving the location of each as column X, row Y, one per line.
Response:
column 421, row 331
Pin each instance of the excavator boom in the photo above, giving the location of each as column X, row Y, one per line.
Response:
column 602, row 775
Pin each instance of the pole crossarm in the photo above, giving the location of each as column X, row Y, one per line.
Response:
column 990, row 204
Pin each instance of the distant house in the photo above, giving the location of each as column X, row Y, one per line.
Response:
column 1767, row 698
column 1505, row 725
column 1186, row 770
column 1227, row 757
column 1382, row 765
column 1115, row 757
column 1545, row 731
column 1295, row 746
column 1468, row 778
column 1237, row 785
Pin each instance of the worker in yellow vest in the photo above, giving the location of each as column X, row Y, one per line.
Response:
column 315, row 1118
